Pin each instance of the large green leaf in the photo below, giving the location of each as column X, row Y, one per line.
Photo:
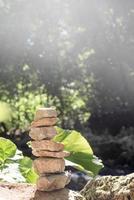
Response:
column 73, row 141
column 81, row 152
column 26, row 169
column 7, row 151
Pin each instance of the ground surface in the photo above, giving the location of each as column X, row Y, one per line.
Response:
column 28, row 192
column 16, row 191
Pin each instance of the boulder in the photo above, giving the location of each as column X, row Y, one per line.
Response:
column 51, row 154
column 49, row 165
column 53, row 182
column 45, row 112
column 47, row 145
column 44, row 122
column 110, row 188
column 40, row 133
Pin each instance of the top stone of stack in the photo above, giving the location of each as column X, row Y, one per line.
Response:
column 44, row 117
column 45, row 113
column 43, row 125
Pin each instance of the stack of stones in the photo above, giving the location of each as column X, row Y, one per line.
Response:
column 49, row 162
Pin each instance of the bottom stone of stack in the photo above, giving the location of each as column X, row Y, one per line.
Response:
column 63, row 194
column 53, row 182
column 49, row 165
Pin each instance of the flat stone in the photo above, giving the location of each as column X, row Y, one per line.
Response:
column 63, row 194
column 49, row 165
column 40, row 133
column 53, row 182
column 53, row 154
column 44, row 122
column 47, row 145
column 45, row 112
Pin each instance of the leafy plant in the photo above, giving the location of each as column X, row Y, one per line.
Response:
column 7, row 151
column 26, row 169
column 72, row 103
column 81, row 154
column 14, row 167
column 24, row 105
column 5, row 112
column 18, row 111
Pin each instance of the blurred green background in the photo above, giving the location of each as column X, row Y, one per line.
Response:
column 78, row 57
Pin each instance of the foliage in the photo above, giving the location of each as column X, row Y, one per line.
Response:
column 10, row 171
column 78, row 59
column 63, row 55
column 22, row 106
column 5, row 112
column 14, row 167
column 19, row 110
column 7, row 151
column 81, row 153
column 72, row 107
column 26, row 169
column 25, row 105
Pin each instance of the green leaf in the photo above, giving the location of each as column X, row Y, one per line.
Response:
column 89, row 162
column 81, row 152
column 73, row 141
column 79, row 167
column 7, row 151
column 5, row 112
column 27, row 171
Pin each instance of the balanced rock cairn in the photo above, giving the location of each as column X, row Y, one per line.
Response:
column 49, row 163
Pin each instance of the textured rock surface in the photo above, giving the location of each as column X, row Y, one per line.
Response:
column 49, row 165
column 42, row 153
column 25, row 191
column 53, row 182
column 45, row 112
column 47, row 145
column 44, row 122
column 40, row 133
column 110, row 188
